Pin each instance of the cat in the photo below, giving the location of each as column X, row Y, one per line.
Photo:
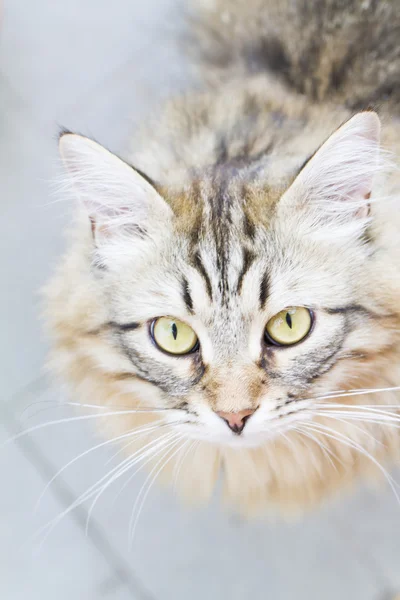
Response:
column 231, row 291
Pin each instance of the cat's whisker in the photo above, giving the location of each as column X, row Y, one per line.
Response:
column 179, row 463
column 330, row 455
column 150, row 455
column 52, row 404
column 90, row 492
column 339, row 437
column 123, row 448
column 135, row 432
column 362, row 413
column 376, row 408
column 74, row 420
column 192, row 450
column 364, row 417
column 331, row 393
column 345, row 394
column 290, row 443
column 288, row 440
column 354, row 420
column 157, row 447
column 361, row 392
column 129, row 462
column 122, row 408
column 340, row 419
column 152, row 477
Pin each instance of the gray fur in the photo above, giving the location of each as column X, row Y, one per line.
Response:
column 340, row 50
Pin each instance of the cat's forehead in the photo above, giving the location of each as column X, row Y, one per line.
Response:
column 225, row 242
column 227, row 199
column 228, row 260
column 219, row 222
column 221, row 214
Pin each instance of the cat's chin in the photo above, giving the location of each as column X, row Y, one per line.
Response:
column 253, row 440
column 232, row 440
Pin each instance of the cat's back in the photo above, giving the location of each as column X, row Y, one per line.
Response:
column 344, row 51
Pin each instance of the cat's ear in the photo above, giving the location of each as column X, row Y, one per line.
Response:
column 117, row 198
column 335, row 185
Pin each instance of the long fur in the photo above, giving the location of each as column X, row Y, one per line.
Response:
column 262, row 191
column 329, row 50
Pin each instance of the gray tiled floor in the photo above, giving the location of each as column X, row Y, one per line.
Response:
column 97, row 67
column 63, row 570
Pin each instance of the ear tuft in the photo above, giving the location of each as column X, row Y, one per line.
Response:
column 117, row 198
column 335, row 186
column 63, row 131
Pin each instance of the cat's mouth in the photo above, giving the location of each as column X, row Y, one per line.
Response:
column 251, row 436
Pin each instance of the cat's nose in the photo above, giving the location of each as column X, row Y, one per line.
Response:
column 236, row 421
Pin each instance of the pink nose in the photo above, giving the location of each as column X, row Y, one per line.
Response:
column 236, row 421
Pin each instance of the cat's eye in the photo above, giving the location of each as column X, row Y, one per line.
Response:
column 289, row 326
column 173, row 336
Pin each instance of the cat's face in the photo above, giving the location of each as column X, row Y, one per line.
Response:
column 235, row 303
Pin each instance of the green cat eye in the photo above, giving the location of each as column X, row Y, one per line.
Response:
column 173, row 336
column 289, row 326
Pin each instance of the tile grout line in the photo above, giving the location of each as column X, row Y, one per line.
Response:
column 61, row 491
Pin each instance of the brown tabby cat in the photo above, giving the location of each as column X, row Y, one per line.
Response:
column 232, row 300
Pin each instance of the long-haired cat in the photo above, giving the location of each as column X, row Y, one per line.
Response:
column 231, row 293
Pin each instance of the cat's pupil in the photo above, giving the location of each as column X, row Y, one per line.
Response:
column 289, row 320
column 174, row 330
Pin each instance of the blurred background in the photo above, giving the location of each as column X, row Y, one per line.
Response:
column 99, row 67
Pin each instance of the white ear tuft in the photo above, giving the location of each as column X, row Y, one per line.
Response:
column 117, row 198
column 336, row 183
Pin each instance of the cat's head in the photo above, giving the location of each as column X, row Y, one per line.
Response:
column 236, row 302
